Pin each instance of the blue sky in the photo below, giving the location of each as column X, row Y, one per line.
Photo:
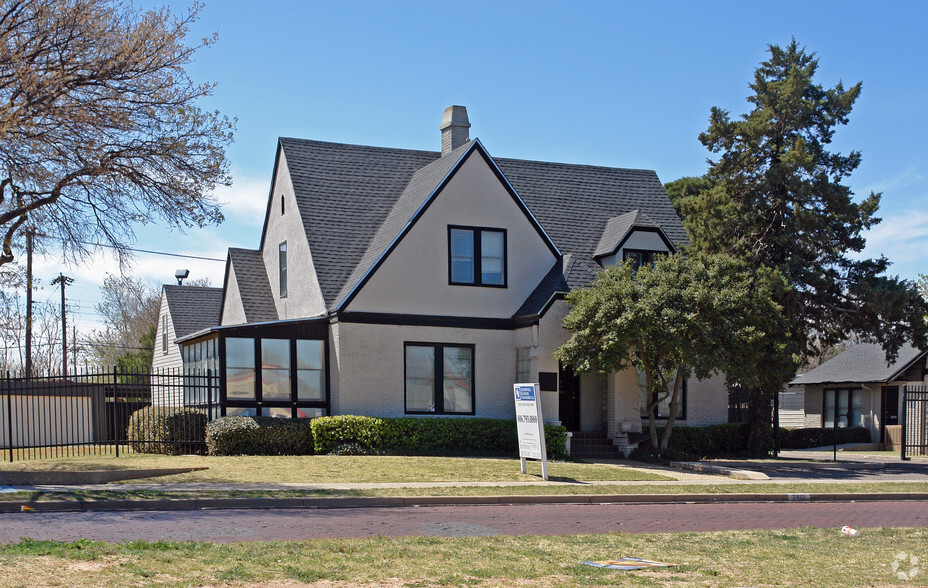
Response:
column 624, row 84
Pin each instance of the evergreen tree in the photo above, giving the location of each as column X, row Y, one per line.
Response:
column 775, row 198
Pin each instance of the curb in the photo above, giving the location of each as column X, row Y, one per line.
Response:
column 697, row 466
column 399, row 501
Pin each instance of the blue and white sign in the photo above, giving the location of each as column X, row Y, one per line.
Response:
column 530, row 426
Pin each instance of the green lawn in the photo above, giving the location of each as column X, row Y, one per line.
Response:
column 321, row 469
column 797, row 557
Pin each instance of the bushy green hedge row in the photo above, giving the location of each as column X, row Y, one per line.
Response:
column 688, row 443
column 259, row 436
column 427, row 436
column 820, row 437
column 168, row 430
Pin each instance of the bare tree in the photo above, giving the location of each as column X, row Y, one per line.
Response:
column 129, row 308
column 100, row 127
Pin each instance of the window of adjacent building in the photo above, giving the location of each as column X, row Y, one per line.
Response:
column 164, row 333
column 240, row 368
column 282, row 265
column 477, row 256
column 850, row 408
column 523, row 365
column 439, row 378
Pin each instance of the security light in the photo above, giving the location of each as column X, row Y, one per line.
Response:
column 181, row 275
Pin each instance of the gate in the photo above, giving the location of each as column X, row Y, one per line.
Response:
column 88, row 413
column 914, row 420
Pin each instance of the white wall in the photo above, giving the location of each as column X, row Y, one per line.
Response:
column 233, row 311
column 792, row 407
column 414, row 278
column 170, row 359
column 370, row 379
column 304, row 296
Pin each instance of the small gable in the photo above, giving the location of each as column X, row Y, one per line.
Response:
column 248, row 297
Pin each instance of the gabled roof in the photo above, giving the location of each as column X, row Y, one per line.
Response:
column 862, row 362
column 193, row 308
column 618, row 228
column 356, row 201
column 253, row 285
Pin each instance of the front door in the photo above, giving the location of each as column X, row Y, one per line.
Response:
column 569, row 398
column 889, row 410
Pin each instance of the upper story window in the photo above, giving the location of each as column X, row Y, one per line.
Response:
column 282, row 268
column 477, row 256
column 641, row 257
column 283, row 205
column 164, row 333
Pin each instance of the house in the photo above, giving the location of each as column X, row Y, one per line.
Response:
column 184, row 310
column 861, row 386
column 392, row 282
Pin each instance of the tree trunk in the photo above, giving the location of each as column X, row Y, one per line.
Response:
column 759, row 420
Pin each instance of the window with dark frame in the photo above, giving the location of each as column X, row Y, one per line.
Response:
column 439, row 378
column 282, row 268
column 850, row 407
column 277, row 377
column 663, row 409
column 164, row 333
column 476, row 256
column 283, row 205
column 641, row 257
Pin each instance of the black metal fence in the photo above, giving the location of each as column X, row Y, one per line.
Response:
column 914, row 420
column 89, row 413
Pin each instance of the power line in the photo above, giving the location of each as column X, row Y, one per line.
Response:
column 152, row 252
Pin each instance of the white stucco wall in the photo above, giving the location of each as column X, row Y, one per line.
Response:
column 160, row 359
column 706, row 402
column 304, row 296
column 640, row 240
column 414, row 278
column 370, row 378
column 233, row 312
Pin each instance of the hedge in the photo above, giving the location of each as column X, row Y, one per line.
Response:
column 426, row 436
column 821, row 437
column 699, row 442
column 259, row 436
column 168, row 430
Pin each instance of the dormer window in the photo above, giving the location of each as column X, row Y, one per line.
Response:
column 476, row 256
column 641, row 257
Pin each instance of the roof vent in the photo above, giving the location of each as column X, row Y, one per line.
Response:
column 454, row 125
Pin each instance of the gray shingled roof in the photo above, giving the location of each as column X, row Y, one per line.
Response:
column 863, row 362
column 253, row 285
column 193, row 308
column 354, row 201
column 618, row 227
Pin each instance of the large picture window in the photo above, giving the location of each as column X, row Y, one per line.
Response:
column 477, row 256
column 273, row 376
column 439, row 378
column 850, row 408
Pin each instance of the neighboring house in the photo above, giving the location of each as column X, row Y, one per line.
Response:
column 393, row 282
column 865, row 389
column 184, row 310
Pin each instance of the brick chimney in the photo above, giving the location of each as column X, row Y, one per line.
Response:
column 454, row 125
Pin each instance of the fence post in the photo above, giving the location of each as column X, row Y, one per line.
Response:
column 115, row 412
column 905, row 406
column 9, row 413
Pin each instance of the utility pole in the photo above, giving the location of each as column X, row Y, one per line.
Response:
column 74, row 347
column 30, row 235
column 64, row 281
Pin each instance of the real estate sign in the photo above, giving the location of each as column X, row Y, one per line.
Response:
column 530, row 426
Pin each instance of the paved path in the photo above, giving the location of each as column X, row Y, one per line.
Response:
column 537, row 519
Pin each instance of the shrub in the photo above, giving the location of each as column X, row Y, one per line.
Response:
column 169, row 430
column 427, row 436
column 820, row 437
column 259, row 436
column 699, row 442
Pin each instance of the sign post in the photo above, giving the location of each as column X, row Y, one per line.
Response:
column 530, row 426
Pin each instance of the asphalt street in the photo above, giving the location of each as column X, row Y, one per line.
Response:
column 472, row 520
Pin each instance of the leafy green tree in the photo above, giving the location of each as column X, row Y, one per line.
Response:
column 775, row 198
column 681, row 317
